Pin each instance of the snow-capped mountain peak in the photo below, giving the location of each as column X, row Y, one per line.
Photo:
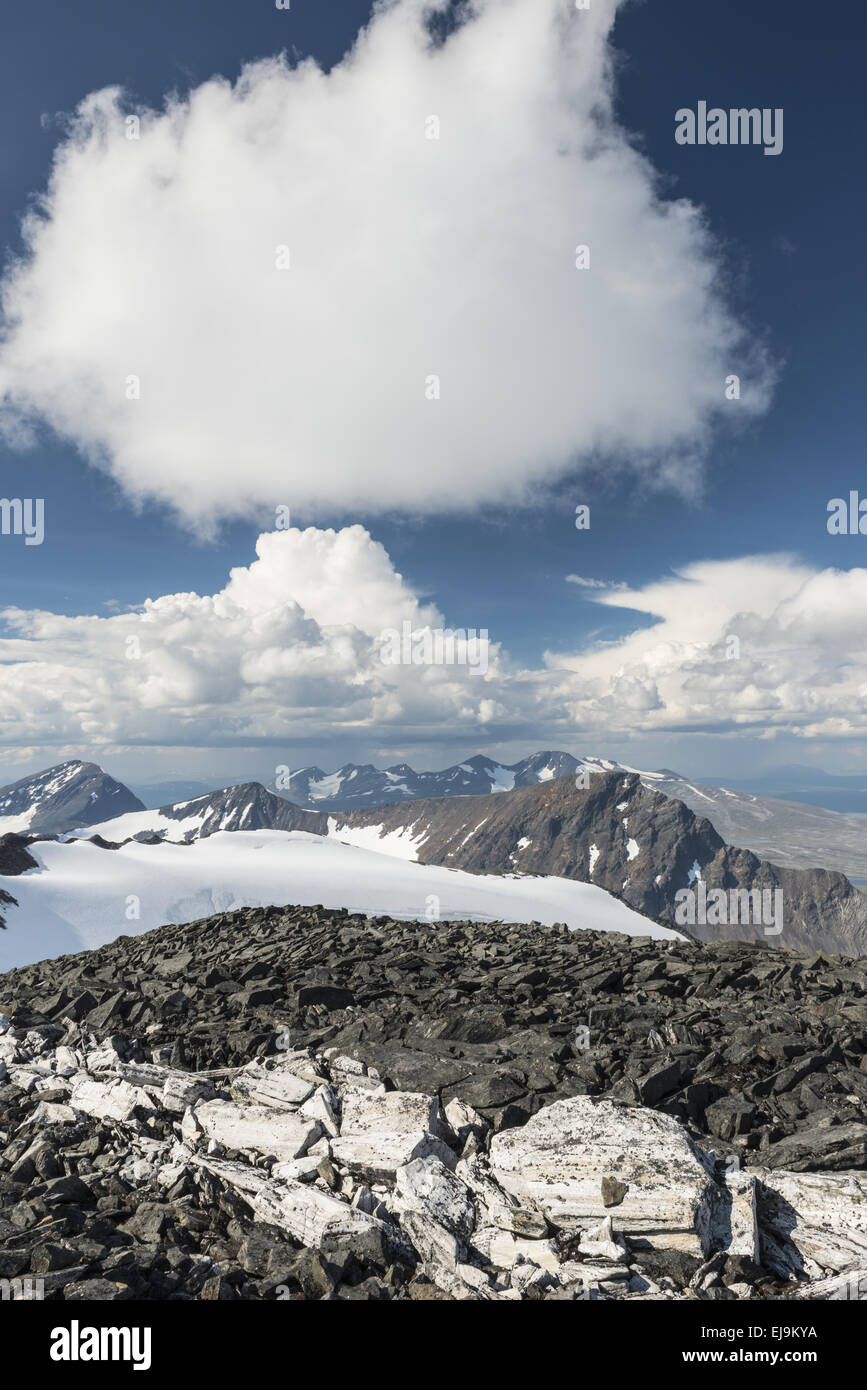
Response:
column 244, row 806
column 60, row 798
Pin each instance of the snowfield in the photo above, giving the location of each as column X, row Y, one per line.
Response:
column 81, row 896
column 145, row 823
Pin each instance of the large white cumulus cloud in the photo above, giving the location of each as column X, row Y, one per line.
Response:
column 409, row 258
column 291, row 647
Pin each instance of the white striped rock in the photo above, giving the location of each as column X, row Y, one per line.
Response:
column 381, row 1132
column 557, row 1161
column 323, row 1106
column 108, row 1100
column 813, row 1220
column 278, row 1087
column 256, row 1128
column 181, row 1089
column 315, row 1218
column 426, row 1185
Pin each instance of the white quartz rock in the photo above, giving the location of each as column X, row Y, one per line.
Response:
column 601, row 1243
column 443, row 1256
column 323, row 1106
column 102, row 1058
column 438, row 1247
column 813, row 1218
column 581, row 1272
column 108, row 1100
column 852, row 1286
column 426, row 1185
column 256, row 1128
column 181, row 1089
column 50, row 1112
column 309, row 1215
column 302, row 1064
column 297, row 1169
column 505, row 1250
column 32, row 1077
column 67, row 1062
column 464, row 1121
column 499, row 1207
column 174, row 1164
column 735, row 1226
column 278, row 1087
column 525, row 1274
column 558, row 1159
column 473, row 1277
column 348, row 1071
column 383, row 1131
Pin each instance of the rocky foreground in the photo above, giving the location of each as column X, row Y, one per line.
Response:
column 290, row 1103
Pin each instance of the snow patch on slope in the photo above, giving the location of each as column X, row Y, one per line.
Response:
column 146, row 822
column 325, row 787
column 17, row 825
column 78, row 897
column 399, row 844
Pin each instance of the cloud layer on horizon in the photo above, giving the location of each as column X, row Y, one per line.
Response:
column 409, row 258
column 290, row 651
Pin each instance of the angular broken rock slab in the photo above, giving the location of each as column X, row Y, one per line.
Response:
column 558, row 1159
column 311, row 1216
column 426, row 1185
column 253, row 1128
column 813, row 1219
column 278, row 1087
column 499, row 1208
column 382, row 1131
column 852, row 1286
column 829, row 1148
column 108, row 1100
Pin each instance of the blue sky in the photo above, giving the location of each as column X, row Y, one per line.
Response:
column 789, row 253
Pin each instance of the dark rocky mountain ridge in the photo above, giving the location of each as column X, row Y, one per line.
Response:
column 246, row 806
column 644, row 848
column 784, row 830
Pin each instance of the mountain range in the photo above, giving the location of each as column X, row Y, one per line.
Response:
column 356, row 785
column 637, row 844
column 620, row 830
column 793, row 835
